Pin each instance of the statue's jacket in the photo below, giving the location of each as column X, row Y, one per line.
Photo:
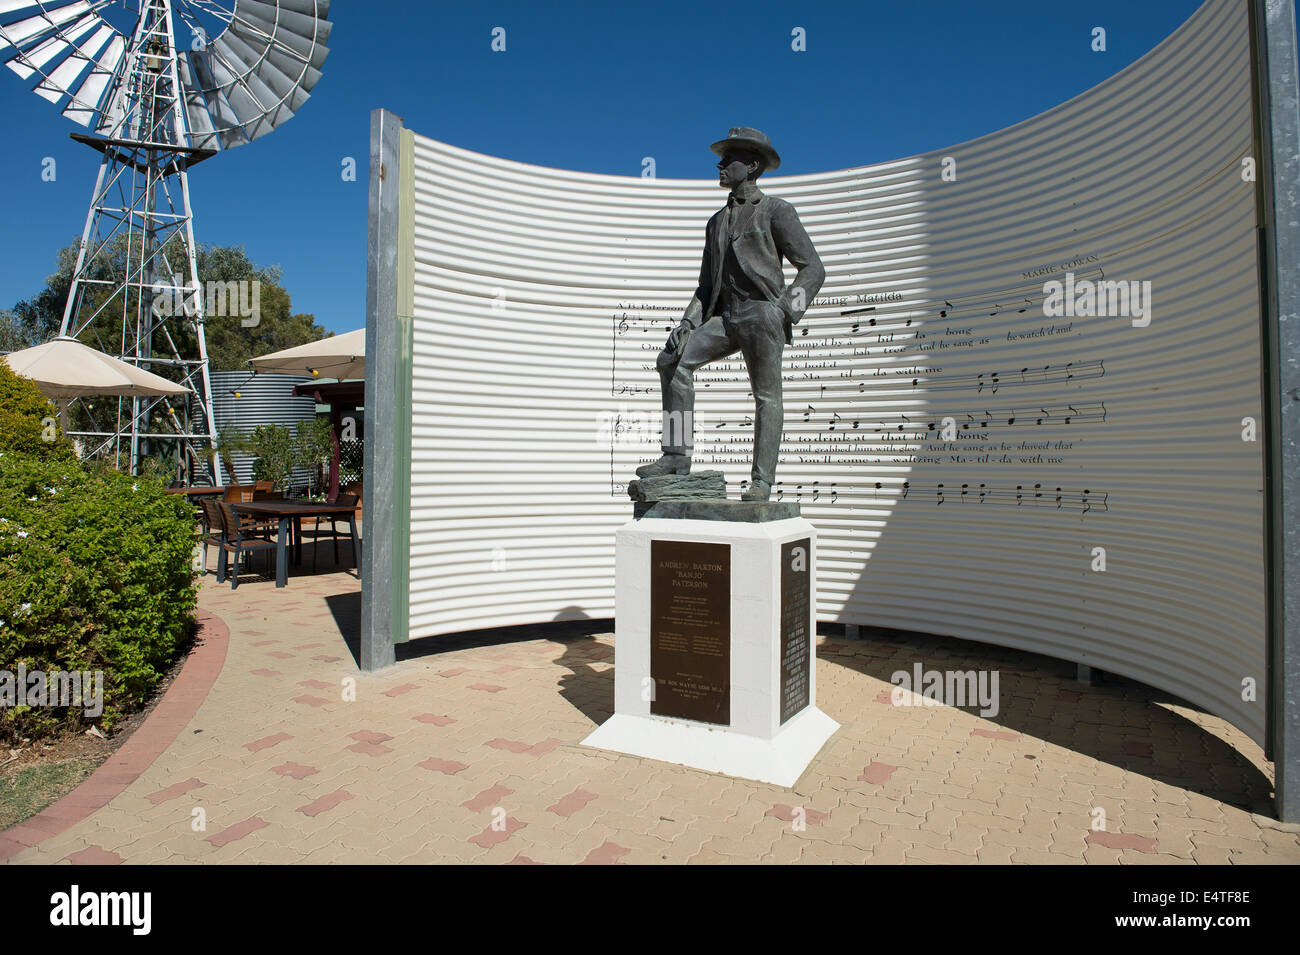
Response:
column 773, row 232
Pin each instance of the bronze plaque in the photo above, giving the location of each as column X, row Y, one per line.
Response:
column 690, row 630
column 796, row 593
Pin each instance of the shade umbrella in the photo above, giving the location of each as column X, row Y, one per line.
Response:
column 64, row 368
column 339, row 356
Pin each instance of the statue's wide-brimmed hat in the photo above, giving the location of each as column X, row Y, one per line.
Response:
column 746, row 137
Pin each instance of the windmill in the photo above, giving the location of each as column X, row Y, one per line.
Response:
column 157, row 102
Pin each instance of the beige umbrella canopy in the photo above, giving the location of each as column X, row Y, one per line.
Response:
column 340, row 356
column 65, row 368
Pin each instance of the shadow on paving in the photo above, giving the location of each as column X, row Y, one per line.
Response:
column 589, row 689
column 1205, row 764
column 1038, row 695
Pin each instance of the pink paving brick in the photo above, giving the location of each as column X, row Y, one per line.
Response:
column 886, row 697
column 309, row 646
column 324, row 659
column 545, row 746
column 370, row 749
column 1122, row 840
column 310, row 700
column 573, row 802
column 368, row 736
column 995, row 734
column 457, row 671
column 238, row 831
column 1071, row 696
column 296, row 770
column 448, row 766
column 316, row 684
column 510, row 745
column 490, row 837
column 877, row 773
column 1137, row 748
column 259, row 643
column 607, row 853
column 486, row 687
column 279, row 655
column 507, row 668
column 265, row 672
column 434, row 719
column 487, row 798
column 325, row 803
column 175, row 790
column 266, row 742
column 399, row 690
column 523, row 860
column 787, row 814
column 94, row 855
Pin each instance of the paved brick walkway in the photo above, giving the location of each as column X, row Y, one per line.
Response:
column 278, row 765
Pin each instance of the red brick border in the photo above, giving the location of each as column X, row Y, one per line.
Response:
column 173, row 712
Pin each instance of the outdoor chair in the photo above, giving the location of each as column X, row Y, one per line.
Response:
column 236, row 493
column 213, row 531
column 241, row 539
column 343, row 500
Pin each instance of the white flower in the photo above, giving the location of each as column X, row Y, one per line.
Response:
column 22, row 533
column 52, row 490
column 135, row 487
column 25, row 608
column 31, row 499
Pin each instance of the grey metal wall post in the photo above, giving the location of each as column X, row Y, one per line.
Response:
column 1280, row 176
column 382, row 349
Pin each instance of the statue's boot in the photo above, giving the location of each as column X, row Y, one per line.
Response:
column 668, row 464
column 758, row 491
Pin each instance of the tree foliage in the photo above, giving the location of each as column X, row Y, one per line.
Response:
column 230, row 342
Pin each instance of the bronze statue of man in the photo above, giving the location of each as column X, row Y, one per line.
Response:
column 742, row 304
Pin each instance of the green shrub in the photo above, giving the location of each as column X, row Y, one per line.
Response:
column 28, row 418
column 96, row 573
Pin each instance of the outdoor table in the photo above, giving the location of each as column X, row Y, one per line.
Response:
column 199, row 491
column 286, row 511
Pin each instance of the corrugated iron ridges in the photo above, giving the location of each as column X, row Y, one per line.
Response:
column 521, row 270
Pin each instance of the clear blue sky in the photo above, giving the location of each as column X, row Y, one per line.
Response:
column 589, row 86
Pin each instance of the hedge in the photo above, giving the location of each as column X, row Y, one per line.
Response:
column 96, row 570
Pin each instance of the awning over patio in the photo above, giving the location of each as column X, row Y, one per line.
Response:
column 64, row 368
column 339, row 356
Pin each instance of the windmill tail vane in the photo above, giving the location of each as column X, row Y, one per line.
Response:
column 178, row 83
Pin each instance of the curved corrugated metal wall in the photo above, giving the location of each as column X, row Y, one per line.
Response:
column 542, row 296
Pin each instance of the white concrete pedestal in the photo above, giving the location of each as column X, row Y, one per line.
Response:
column 748, row 740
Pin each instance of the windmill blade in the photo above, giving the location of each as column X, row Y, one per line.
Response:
column 257, row 73
column 251, row 78
column 67, row 75
column 42, row 57
column 73, row 50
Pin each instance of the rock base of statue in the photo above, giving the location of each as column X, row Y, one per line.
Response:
column 714, row 655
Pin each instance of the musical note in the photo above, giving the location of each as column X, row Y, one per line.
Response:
column 815, row 490
column 780, row 491
column 939, row 494
column 810, row 410
column 906, row 487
